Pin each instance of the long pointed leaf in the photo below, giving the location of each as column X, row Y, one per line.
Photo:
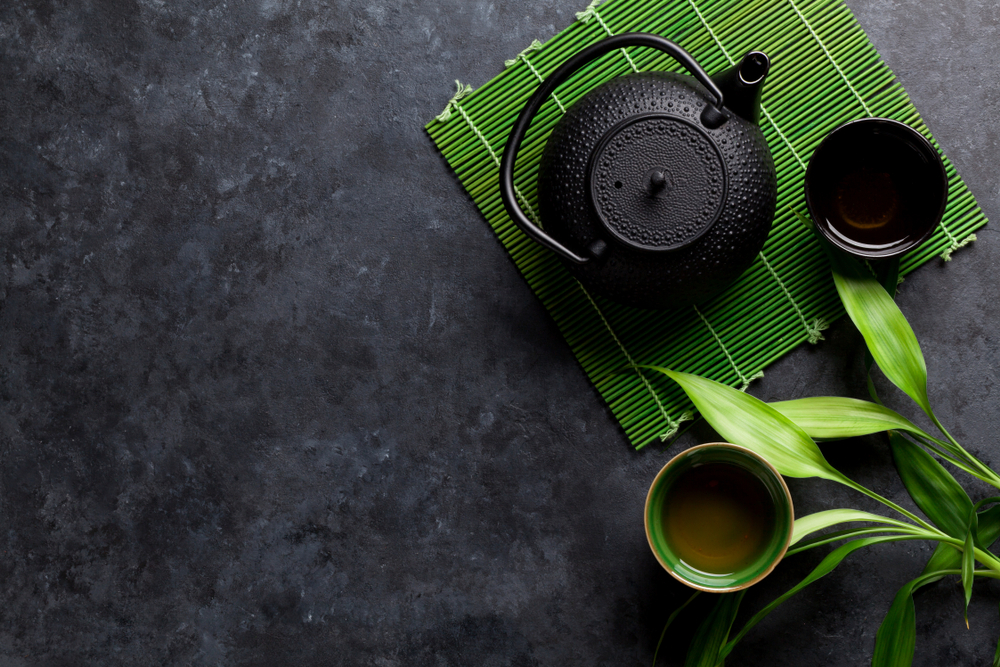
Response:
column 968, row 564
column 947, row 557
column 670, row 619
column 889, row 279
column 989, row 526
column 838, row 535
column 713, row 632
column 833, row 417
column 820, row 520
column 897, row 636
column 871, row 385
column 827, row 565
column 931, row 487
column 973, row 540
column 889, row 337
column 744, row 420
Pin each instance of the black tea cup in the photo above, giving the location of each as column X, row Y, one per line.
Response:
column 876, row 188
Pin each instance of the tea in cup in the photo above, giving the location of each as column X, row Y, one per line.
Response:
column 876, row 188
column 718, row 517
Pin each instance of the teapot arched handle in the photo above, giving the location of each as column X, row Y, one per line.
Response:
column 711, row 117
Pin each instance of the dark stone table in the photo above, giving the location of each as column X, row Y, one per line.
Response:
column 272, row 392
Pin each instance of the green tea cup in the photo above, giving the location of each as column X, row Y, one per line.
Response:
column 719, row 517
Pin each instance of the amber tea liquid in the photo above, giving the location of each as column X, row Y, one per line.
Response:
column 873, row 192
column 718, row 518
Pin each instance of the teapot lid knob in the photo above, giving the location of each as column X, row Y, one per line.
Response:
column 657, row 182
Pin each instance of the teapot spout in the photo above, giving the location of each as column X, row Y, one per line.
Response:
column 742, row 85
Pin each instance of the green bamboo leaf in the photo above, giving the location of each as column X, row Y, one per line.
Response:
column 744, row 420
column 967, row 567
column 889, row 337
column 713, row 632
column 670, row 620
column 888, row 275
column 812, row 522
column 931, row 487
column 752, row 423
column 897, row 636
column 979, row 532
column 871, row 385
column 827, row 565
column 989, row 526
column 833, row 417
column 838, row 535
column 945, row 557
column 986, row 530
column 948, row 557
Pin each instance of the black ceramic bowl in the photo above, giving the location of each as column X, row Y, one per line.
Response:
column 876, row 188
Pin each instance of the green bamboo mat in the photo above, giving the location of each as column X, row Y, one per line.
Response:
column 824, row 72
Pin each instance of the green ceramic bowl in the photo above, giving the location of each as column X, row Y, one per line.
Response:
column 779, row 530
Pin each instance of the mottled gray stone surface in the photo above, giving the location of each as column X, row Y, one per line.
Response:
column 272, row 393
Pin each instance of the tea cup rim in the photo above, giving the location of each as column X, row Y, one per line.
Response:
column 774, row 562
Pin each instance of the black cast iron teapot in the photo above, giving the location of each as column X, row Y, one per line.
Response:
column 656, row 191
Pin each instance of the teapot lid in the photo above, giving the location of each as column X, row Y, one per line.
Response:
column 657, row 182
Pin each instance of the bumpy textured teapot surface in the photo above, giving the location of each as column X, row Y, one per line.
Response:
column 655, row 190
